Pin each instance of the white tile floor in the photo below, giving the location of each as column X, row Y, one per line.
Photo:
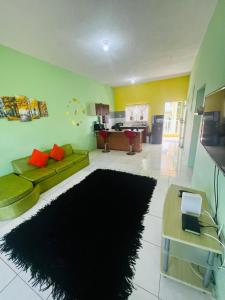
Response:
column 162, row 162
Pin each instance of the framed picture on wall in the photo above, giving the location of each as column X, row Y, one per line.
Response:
column 23, row 105
column 21, row 108
column 2, row 113
column 10, row 108
column 43, row 108
column 34, row 108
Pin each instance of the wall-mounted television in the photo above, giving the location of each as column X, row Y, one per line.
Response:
column 213, row 127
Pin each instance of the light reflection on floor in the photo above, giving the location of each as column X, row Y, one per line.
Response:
column 170, row 157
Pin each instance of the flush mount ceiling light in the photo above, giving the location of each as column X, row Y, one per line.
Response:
column 105, row 46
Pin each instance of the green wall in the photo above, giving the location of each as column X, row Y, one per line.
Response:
column 209, row 69
column 21, row 74
column 196, row 126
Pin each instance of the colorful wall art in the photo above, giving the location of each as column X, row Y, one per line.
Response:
column 76, row 111
column 22, row 108
column 22, row 74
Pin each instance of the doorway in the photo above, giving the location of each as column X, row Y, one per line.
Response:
column 173, row 116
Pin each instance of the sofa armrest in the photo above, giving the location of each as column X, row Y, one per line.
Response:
column 77, row 151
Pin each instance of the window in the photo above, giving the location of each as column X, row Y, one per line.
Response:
column 138, row 112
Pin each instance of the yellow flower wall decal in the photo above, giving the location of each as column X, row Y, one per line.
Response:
column 76, row 111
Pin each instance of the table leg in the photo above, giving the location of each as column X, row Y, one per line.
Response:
column 166, row 249
column 208, row 272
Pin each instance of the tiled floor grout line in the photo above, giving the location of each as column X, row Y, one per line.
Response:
column 149, row 214
column 151, row 243
column 159, row 285
column 145, row 290
column 8, row 283
column 5, row 262
column 30, row 287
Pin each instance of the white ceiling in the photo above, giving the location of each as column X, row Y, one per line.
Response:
column 149, row 39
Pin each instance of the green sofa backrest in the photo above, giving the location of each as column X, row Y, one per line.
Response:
column 21, row 165
column 68, row 149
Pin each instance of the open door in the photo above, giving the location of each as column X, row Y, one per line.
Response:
column 174, row 118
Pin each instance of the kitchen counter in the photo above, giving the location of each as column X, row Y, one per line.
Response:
column 123, row 129
column 126, row 127
column 118, row 140
column 144, row 128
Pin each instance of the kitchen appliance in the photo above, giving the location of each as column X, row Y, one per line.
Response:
column 117, row 126
column 98, row 126
column 157, row 129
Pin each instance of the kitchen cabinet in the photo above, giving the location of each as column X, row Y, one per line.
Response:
column 98, row 109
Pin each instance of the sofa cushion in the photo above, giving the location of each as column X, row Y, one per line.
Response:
column 13, row 188
column 21, row 165
column 57, row 152
column 38, row 175
column 68, row 150
column 79, row 151
column 60, row 166
column 75, row 158
column 38, row 158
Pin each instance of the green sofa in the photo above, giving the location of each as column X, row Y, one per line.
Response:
column 33, row 181
column 16, row 196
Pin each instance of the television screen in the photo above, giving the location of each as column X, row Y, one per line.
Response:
column 213, row 127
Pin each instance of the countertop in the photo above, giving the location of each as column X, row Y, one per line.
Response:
column 118, row 141
column 113, row 130
column 133, row 126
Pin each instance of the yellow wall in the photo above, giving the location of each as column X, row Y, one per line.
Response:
column 154, row 93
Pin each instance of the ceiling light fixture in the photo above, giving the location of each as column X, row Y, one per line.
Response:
column 105, row 46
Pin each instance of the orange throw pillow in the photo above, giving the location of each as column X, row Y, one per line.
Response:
column 57, row 152
column 38, row 158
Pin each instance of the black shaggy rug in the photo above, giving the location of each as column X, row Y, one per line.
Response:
column 85, row 243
